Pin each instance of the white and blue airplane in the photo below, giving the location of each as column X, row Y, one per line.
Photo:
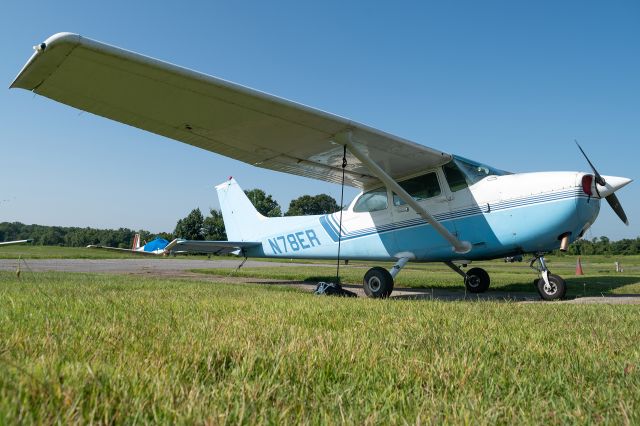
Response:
column 417, row 203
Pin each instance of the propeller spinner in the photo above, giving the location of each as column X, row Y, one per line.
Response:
column 606, row 188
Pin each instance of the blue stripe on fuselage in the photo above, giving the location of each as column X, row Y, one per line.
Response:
column 332, row 228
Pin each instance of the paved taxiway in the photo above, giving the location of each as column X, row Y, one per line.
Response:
column 181, row 268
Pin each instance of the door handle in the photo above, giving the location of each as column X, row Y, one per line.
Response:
column 403, row 209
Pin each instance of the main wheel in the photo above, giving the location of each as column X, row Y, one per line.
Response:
column 556, row 289
column 378, row 283
column 477, row 280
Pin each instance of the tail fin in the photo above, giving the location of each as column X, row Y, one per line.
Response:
column 136, row 242
column 241, row 219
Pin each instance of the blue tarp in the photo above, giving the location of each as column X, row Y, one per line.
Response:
column 157, row 244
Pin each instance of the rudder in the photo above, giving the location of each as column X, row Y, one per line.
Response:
column 241, row 219
column 135, row 245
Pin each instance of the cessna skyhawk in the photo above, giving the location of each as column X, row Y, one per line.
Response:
column 417, row 203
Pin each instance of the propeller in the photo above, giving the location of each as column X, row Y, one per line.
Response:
column 617, row 207
column 611, row 197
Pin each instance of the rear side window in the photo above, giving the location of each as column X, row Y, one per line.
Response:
column 372, row 201
column 420, row 188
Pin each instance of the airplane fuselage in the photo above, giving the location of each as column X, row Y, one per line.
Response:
column 499, row 215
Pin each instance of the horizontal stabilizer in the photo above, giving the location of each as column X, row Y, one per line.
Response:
column 213, row 247
column 124, row 250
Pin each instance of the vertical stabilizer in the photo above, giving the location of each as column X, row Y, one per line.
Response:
column 242, row 221
column 136, row 242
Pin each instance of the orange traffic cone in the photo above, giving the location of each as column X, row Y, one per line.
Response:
column 579, row 267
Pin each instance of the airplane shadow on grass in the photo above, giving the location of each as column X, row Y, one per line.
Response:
column 581, row 285
column 524, row 290
column 596, row 286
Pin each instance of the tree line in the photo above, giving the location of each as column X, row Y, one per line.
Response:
column 605, row 246
column 195, row 226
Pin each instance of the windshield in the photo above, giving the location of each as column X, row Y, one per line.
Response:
column 474, row 171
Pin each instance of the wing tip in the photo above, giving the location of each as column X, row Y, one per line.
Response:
column 22, row 80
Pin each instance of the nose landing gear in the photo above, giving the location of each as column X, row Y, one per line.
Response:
column 550, row 286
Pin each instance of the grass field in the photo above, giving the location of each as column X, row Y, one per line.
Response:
column 114, row 349
column 27, row 251
column 53, row 252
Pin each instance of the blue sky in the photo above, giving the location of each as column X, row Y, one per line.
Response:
column 508, row 83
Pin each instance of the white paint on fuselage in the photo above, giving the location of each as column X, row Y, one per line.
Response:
column 500, row 215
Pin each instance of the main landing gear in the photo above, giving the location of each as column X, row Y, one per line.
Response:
column 550, row 286
column 476, row 280
column 378, row 282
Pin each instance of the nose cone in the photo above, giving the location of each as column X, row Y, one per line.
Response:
column 613, row 183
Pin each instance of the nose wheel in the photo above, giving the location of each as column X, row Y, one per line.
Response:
column 555, row 289
column 550, row 286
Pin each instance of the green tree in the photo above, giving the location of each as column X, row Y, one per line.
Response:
column 265, row 204
column 52, row 237
column 308, row 205
column 72, row 236
column 214, row 227
column 191, row 227
column 166, row 235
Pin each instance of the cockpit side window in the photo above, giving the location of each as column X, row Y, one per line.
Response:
column 420, row 188
column 454, row 176
column 372, row 201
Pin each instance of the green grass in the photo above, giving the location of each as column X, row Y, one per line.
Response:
column 599, row 277
column 114, row 349
column 53, row 252
column 26, row 251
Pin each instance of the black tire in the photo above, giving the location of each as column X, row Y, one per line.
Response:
column 556, row 291
column 477, row 280
column 378, row 283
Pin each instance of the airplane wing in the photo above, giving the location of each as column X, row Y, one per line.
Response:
column 10, row 243
column 124, row 250
column 214, row 114
column 213, row 247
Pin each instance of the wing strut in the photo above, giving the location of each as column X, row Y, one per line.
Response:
column 458, row 246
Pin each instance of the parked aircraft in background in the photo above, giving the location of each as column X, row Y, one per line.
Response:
column 417, row 203
column 10, row 243
column 158, row 246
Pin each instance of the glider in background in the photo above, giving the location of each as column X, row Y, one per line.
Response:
column 10, row 243
column 417, row 203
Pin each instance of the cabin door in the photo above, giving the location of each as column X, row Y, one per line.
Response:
column 412, row 233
